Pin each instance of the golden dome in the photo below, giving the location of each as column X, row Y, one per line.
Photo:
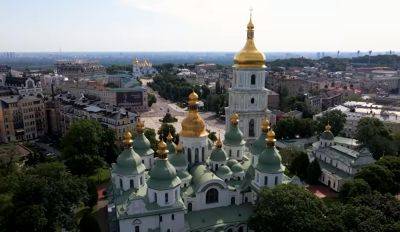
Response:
column 265, row 125
column 193, row 125
column 162, row 149
column 234, row 119
column 271, row 137
column 170, row 137
column 249, row 56
column 218, row 143
column 128, row 139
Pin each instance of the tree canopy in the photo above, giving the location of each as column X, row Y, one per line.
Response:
column 335, row 118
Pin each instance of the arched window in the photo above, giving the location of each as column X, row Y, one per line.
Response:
column 230, row 230
column 276, row 180
column 232, row 200
column 141, row 180
column 237, row 153
column 189, row 152
column 137, row 229
column 190, row 207
column 131, row 183
column 196, row 155
column 212, row 196
column 120, row 183
column 252, row 100
column 253, row 79
column 202, row 152
column 240, row 229
column 251, row 128
column 266, row 180
column 216, row 167
column 230, row 153
column 166, row 197
column 155, row 197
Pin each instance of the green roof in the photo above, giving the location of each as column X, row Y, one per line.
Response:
column 218, row 155
column 236, row 168
column 223, row 172
column 201, row 175
column 178, row 159
column 218, row 218
column 171, row 147
column 183, row 174
column 259, row 145
column 234, row 137
column 231, row 162
column 142, row 145
column 270, row 161
column 128, row 163
column 163, row 176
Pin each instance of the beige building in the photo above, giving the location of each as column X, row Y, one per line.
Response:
column 22, row 118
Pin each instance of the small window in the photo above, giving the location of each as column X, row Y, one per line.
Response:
column 160, row 218
column 276, row 180
column 252, row 100
column 131, row 183
column 141, row 180
column 240, row 229
column 137, row 229
column 155, row 197
column 253, row 79
column 120, row 183
column 166, row 198
column 266, row 180
column 172, row 217
column 190, row 207
column 237, row 153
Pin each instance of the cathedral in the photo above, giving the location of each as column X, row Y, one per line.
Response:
column 198, row 185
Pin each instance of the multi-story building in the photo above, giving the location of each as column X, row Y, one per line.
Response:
column 78, row 69
column 115, row 118
column 356, row 110
column 22, row 118
column 339, row 159
column 23, row 86
column 248, row 96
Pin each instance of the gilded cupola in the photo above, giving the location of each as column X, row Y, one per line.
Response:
column 193, row 125
column 249, row 56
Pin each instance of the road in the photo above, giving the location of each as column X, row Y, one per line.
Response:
column 162, row 106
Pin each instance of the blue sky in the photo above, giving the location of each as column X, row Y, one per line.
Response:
column 198, row 25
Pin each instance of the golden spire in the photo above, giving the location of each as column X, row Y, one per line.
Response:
column 271, row 138
column 162, row 150
column 265, row 125
column 169, row 137
column 218, row 143
column 128, row 139
column 234, row 119
column 179, row 148
column 249, row 56
column 193, row 125
column 139, row 126
column 328, row 127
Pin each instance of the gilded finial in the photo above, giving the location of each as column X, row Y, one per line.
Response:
column 162, row 150
column 271, row 138
column 265, row 125
column 234, row 119
column 328, row 127
column 128, row 139
column 169, row 137
column 193, row 98
column 139, row 126
column 250, row 25
column 218, row 143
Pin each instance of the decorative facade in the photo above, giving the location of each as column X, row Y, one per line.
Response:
column 248, row 96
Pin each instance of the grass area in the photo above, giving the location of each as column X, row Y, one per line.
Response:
column 102, row 175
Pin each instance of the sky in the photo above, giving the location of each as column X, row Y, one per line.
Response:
column 198, row 25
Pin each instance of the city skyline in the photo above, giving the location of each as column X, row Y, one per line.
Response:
column 173, row 25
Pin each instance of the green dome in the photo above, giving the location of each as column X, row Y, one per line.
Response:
column 223, row 172
column 218, row 155
column 236, row 168
column 231, row 162
column 234, row 137
column 178, row 159
column 270, row 161
column 128, row 163
column 163, row 176
column 142, row 145
column 171, row 147
column 327, row 135
column 259, row 145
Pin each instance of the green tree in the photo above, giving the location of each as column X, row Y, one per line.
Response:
column 393, row 164
column 354, row 188
column 151, row 99
column 165, row 129
column 378, row 177
column 152, row 137
column 168, row 118
column 287, row 208
column 81, row 147
column 299, row 165
column 89, row 223
column 92, row 194
column 107, row 147
column 335, row 118
column 212, row 136
column 313, row 172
